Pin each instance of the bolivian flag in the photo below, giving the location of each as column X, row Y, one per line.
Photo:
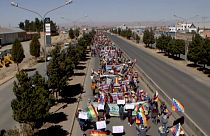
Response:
column 177, row 106
column 97, row 133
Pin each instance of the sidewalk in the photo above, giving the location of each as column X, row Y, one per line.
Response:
column 68, row 109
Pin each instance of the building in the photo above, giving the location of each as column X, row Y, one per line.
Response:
column 205, row 33
column 9, row 35
column 123, row 27
column 183, row 27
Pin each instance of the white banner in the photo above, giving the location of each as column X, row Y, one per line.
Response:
column 129, row 106
column 117, row 129
column 120, row 101
column 83, row 115
column 101, row 124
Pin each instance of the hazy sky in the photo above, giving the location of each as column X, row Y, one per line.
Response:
column 104, row 10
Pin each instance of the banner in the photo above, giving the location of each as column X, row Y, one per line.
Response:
column 114, row 108
column 116, row 95
column 101, row 124
column 117, row 129
column 83, row 115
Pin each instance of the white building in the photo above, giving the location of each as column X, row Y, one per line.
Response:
column 183, row 27
column 172, row 29
column 123, row 27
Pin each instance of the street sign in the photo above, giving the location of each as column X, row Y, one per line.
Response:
column 47, row 20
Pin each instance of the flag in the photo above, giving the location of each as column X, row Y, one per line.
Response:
column 92, row 112
column 177, row 106
column 116, row 81
column 177, row 130
column 101, row 99
column 143, row 119
column 136, row 109
column 124, row 88
column 155, row 97
column 97, row 133
column 139, row 108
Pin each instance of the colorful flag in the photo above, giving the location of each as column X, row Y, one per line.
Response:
column 116, row 81
column 97, row 133
column 124, row 88
column 136, row 109
column 177, row 106
column 101, row 99
column 143, row 119
column 177, row 130
column 155, row 97
column 92, row 112
column 139, row 108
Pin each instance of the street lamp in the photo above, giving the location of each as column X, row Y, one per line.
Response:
column 186, row 40
column 43, row 20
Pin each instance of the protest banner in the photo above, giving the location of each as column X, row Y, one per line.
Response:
column 120, row 102
column 100, row 106
column 129, row 106
column 101, row 124
column 117, row 129
column 116, row 95
column 83, row 115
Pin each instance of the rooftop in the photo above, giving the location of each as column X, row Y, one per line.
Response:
column 4, row 30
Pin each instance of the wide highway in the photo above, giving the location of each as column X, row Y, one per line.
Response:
column 193, row 94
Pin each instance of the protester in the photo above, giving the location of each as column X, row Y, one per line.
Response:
column 141, row 130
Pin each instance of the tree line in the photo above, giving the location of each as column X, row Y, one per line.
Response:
column 37, row 26
column 34, row 94
column 127, row 33
column 198, row 48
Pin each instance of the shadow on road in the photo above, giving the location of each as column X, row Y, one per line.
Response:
column 56, row 117
column 80, row 67
column 72, row 90
column 28, row 69
column 79, row 74
column 52, row 131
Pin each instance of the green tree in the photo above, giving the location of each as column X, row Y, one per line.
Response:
column 119, row 31
column 76, row 32
column 137, row 38
column 162, row 42
column 35, row 47
column 196, row 48
column 71, row 34
column 152, row 37
column 21, row 25
column 146, row 37
column 27, row 25
column 31, row 104
column 60, row 69
column 17, row 53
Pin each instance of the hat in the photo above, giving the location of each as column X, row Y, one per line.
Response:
column 132, row 92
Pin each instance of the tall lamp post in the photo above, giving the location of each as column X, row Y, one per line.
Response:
column 43, row 20
column 186, row 40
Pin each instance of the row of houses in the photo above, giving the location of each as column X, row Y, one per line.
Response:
column 180, row 27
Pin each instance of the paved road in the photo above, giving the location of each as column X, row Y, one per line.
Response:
column 114, row 121
column 6, row 96
column 192, row 93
